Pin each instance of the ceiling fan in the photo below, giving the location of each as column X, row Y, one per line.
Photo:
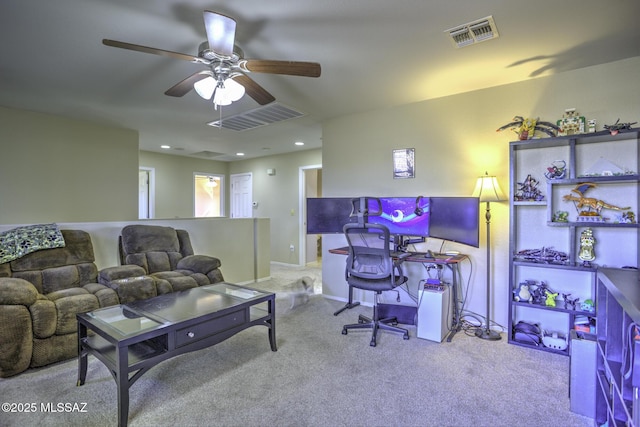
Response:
column 225, row 77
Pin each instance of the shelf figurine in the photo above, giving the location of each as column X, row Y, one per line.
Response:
column 571, row 123
column 522, row 293
column 550, row 300
column 588, row 305
column 561, row 216
column 587, row 251
column 570, row 303
column 557, row 170
column 617, row 127
column 594, row 206
column 526, row 128
column 528, row 190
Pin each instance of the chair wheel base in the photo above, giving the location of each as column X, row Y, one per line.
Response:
column 372, row 343
column 344, row 331
column 405, row 337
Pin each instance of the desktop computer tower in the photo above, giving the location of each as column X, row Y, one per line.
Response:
column 434, row 313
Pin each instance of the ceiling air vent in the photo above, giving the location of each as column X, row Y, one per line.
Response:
column 208, row 154
column 261, row 116
column 474, row 32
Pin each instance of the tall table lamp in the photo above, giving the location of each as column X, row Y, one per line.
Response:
column 488, row 190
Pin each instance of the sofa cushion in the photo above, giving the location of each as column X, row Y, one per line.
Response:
column 78, row 249
column 144, row 238
column 68, row 307
column 134, row 288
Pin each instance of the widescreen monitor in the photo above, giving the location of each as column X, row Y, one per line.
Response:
column 455, row 219
column 328, row 215
column 399, row 215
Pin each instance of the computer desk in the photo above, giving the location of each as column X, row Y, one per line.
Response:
column 452, row 262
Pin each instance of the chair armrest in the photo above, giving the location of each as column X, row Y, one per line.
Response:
column 15, row 291
column 109, row 274
column 199, row 263
column 106, row 296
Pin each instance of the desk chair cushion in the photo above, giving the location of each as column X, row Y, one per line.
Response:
column 376, row 285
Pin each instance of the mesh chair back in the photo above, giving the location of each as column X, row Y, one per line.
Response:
column 369, row 252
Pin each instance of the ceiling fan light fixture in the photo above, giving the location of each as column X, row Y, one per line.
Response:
column 205, row 87
column 227, row 92
column 234, row 90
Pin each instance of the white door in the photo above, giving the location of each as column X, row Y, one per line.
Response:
column 241, row 195
column 143, row 194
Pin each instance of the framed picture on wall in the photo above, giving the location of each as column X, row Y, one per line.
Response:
column 404, row 163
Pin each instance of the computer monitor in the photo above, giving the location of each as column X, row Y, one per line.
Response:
column 456, row 219
column 401, row 216
column 328, row 215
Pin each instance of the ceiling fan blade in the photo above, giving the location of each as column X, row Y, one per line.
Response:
column 221, row 32
column 292, row 68
column 186, row 85
column 153, row 50
column 254, row 90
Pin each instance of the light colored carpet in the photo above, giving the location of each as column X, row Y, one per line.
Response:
column 318, row 377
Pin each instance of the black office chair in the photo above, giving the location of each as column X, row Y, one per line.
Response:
column 371, row 267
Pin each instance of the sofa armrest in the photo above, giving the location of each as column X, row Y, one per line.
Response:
column 14, row 291
column 106, row 296
column 199, row 263
column 109, row 274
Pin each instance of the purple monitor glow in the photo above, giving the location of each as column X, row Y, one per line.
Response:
column 399, row 215
column 455, row 219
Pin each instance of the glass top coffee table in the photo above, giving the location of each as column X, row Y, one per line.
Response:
column 132, row 338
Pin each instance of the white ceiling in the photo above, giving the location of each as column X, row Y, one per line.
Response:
column 374, row 54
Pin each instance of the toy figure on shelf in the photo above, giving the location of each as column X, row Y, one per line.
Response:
column 587, row 251
column 545, row 255
column 528, row 127
column 594, row 206
column 557, row 170
column 588, row 305
column 550, row 300
column 522, row 292
column 539, row 292
column 617, row 127
column 528, row 190
column 571, row 123
column 561, row 216
column 626, row 218
column 570, row 303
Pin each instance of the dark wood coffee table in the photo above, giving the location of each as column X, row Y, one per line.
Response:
column 132, row 338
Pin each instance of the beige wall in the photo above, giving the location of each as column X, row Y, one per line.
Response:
column 277, row 197
column 455, row 140
column 58, row 169
column 174, row 182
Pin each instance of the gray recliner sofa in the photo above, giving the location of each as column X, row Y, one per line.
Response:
column 40, row 295
column 163, row 253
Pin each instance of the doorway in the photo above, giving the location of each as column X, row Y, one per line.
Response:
column 242, row 195
column 208, row 195
column 146, row 192
column 310, row 186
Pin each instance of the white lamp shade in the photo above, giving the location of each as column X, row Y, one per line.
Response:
column 230, row 91
column 488, row 190
column 220, row 97
column 205, row 87
column 234, row 90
